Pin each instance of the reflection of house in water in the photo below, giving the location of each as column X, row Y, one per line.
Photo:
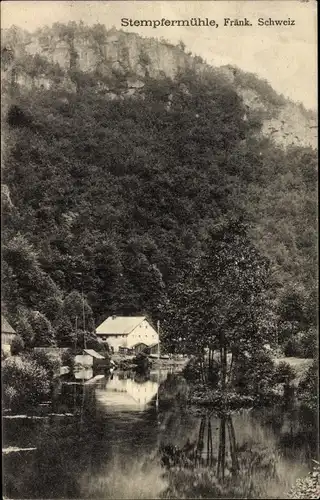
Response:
column 84, row 373
column 126, row 393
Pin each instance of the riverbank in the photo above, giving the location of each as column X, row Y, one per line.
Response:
column 162, row 363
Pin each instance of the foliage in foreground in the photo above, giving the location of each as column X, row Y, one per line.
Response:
column 308, row 389
column 25, row 382
column 27, row 378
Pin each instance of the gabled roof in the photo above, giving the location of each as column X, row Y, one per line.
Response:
column 93, row 353
column 121, row 325
column 5, row 327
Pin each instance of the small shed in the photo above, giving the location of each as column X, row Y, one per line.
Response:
column 140, row 347
column 90, row 357
column 97, row 358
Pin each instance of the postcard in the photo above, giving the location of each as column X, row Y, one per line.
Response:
column 159, row 333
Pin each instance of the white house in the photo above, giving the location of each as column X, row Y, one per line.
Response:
column 127, row 331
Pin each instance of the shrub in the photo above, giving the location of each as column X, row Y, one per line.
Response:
column 192, row 370
column 283, row 373
column 308, row 388
column 293, row 347
column 254, row 375
column 51, row 363
column 17, row 345
column 309, row 343
column 302, row 344
column 142, row 362
column 25, row 382
column 67, row 359
column 144, row 58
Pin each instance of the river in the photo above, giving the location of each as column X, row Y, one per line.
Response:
column 100, row 437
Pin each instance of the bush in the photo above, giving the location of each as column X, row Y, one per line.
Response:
column 293, row 347
column 142, row 362
column 309, row 343
column 308, row 388
column 302, row 344
column 51, row 363
column 25, row 382
column 254, row 375
column 283, row 373
column 67, row 359
column 17, row 345
column 192, row 370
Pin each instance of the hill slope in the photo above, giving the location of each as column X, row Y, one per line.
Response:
column 121, row 174
column 69, row 56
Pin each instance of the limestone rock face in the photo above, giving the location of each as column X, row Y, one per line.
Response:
column 128, row 56
column 291, row 126
column 288, row 126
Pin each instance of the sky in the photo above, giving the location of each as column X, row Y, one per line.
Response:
column 286, row 56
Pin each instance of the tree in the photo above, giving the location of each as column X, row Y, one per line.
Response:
column 26, row 284
column 25, row 382
column 219, row 301
column 23, row 327
column 78, row 311
column 65, row 333
column 42, row 329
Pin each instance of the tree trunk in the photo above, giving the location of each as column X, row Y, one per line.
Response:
column 232, row 363
column 200, row 441
column 223, row 447
column 222, row 450
column 202, row 374
column 224, row 368
column 228, row 376
column 223, row 359
column 233, row 446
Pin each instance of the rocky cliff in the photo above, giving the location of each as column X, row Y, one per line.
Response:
column 117, row 64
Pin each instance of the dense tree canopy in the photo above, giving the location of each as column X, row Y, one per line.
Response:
column 127, row 192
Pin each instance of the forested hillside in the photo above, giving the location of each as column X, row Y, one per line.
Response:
column 132, row 192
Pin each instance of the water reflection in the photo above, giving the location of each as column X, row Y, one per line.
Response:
column 229, row 456
column 108, row 439
column 83, row 374
column 127, row 393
